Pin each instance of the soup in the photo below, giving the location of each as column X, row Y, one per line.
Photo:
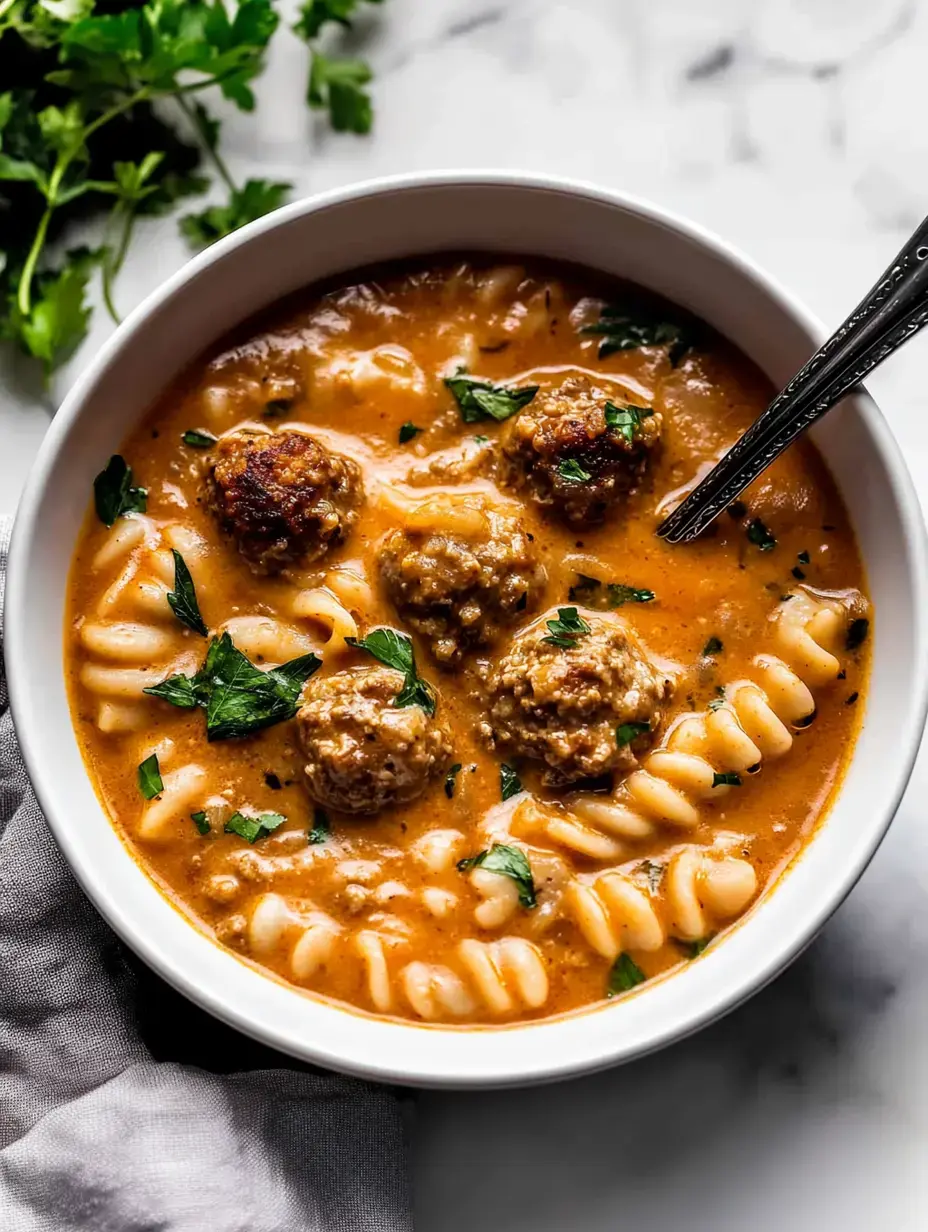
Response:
column 385, row 679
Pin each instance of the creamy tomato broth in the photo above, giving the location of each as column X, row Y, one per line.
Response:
column 545, row 757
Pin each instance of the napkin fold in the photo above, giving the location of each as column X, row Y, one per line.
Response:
column 125, row 1108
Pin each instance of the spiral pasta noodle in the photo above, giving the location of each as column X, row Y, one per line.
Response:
column 753, row 721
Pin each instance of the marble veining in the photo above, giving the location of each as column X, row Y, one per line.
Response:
column 796, row 128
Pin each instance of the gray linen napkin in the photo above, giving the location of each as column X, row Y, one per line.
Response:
column 123, row 1107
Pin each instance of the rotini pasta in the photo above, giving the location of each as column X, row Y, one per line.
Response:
column 444, row 731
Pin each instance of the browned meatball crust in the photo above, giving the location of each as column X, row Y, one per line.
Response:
column 561, row 705
column 566, row 428
column 363, row 752
column 281, row 496
column 461, row 591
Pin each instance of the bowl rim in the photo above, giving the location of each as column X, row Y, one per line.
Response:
column 326, row 1051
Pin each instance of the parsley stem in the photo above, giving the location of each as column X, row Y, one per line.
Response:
column 209, row 147
column 112, row 268
column 24, row 290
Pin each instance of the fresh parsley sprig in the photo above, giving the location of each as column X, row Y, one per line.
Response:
column 239, row 699
column 395, row 650
column 478, row 399
column 79, row 134
column 508, row 862
column 566, row 629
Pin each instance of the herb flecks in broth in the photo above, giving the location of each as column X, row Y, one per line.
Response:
column 606, row 761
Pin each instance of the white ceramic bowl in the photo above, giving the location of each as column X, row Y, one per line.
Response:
column 314, row 239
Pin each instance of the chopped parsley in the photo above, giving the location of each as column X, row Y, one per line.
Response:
column 727, row 778
column 321, row 828
column 480, row 439
column 200, row 821
column 624, row 975
column 239, row 699
column 566, row 629
column 712, row 647
column 591, row 592
column 625, row 733
column 508, row 862
column 798, row 574
column 479, row 399
column 113, row 493
column 803, row 558
column 149, row 777
column 277, row 407
column 451, row 778
column 571, row 470
column 509, row 782
column 253, row 828
column 692, row 949
column 618, row 330
column 760, row 536
column 625, row 420
column 183, row 598
column 395, row 650
column 719, row 701
column 197, row 439
column 857, row 632
column 408, row 430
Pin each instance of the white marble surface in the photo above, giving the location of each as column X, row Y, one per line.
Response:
column 795, row 128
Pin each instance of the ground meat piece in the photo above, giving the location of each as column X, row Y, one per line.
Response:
column 362, row 751
column 562, row 705
column 567, row 426
column 460, row 590
column 281, row 496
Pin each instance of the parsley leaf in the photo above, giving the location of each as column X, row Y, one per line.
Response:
column 712, row 647
column 255, row 199
column 56, row 321
column 114, row 494
column 509, row 782
column 197, row 439
column 337, row 84
column 479, row 399
column 238, row 698
column 620, row 331
column 760, row 536
column 149, row 776
column 508, row 862
column 625, row 733
column 395, row 650
column 624, row 975
column 803, row 558
column 451, row 778
column 321, row 827
column 200, row 821
column 591, row 592
column 625, row 420
column 571, row 470
column 253, row 828
column 566, row 629
column 857, row 632
column 409, row 430
column 315, row 13
column 727, row 778
column 183, row 598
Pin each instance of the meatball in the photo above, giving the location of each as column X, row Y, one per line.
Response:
column 459, row 590
column 562, row 704
column 281, row 496
column 564, row 452
column 363, row 752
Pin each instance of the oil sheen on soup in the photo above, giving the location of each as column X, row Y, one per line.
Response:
column 384, row 677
